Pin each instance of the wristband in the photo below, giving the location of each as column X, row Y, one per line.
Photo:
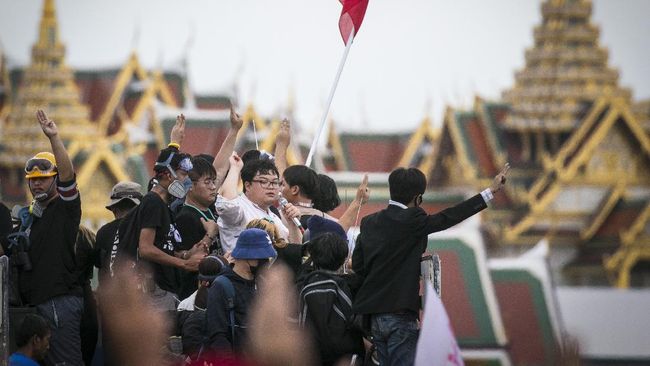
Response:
column 184, row 255
column 174, row 144
column 209, row 237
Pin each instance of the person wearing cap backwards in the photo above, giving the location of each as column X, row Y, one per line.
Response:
column 54, row 215
column 252, row 253
column 150, row 237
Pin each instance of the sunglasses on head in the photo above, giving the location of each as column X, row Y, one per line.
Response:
column 42, row 165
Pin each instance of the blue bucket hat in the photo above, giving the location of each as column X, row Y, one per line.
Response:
column 319, row 225
column 253, row 244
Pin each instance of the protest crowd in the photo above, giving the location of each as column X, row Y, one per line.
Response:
column 228, row 259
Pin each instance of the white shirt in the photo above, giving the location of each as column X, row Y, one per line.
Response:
column 236, row 213
column 187, row 304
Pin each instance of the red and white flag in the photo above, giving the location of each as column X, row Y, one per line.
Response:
column 437, row 344
column 351, row 17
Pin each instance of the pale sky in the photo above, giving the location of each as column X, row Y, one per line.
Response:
column 410, row 59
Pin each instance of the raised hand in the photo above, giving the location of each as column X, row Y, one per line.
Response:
column 284, row 134
column 178, row 131
column 47, row 125
column 363, row 193
column 500, row 179
column 236, row 161
column 235, row 119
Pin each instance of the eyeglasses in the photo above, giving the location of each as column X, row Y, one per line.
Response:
column 267, row 183
column 42, row 165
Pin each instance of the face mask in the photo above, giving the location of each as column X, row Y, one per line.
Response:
column 179, row 189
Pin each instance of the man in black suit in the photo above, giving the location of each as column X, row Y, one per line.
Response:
column 387, row 259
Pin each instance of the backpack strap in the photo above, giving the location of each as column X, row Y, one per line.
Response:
column 230, row 303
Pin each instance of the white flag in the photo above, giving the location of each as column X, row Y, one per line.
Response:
column 437, row 344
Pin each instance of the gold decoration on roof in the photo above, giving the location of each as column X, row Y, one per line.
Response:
column 565, row 70
column 47, row 83
column 420, row 148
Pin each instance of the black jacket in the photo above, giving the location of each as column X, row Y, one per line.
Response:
column 217, row 314
column 388, row 252
column 192, row 330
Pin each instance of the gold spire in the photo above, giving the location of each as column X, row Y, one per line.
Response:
column 47, row 83
column 565, row 70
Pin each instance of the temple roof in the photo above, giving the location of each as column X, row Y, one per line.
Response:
column 565, row 69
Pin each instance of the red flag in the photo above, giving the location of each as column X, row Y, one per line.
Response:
column 351, row 17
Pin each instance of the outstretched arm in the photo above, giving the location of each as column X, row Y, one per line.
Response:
column 454, row 215
column 282, row 141
column 63, row 162
column 221, row 163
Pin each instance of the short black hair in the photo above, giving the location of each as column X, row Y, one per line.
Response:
column 327, row 198
column 303, row 177
column 201, row 168
column 328, row 251
column 212, row 265
column 406, row 183
column 207, row 157
column 32, row 325
column 254, row 167
column 250, row 155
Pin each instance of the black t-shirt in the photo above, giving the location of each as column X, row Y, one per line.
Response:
column 153, row 213
column 188, row 223
column 51, row 252
column 105, row 240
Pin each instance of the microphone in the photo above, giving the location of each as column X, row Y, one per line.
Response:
column 283, row 202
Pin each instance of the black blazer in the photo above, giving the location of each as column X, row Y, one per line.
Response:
column 388, row 252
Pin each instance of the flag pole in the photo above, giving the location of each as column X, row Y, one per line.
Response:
column 314, row 144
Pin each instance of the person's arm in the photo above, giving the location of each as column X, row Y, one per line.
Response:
column 191, row 236
column 350, row 216
column 454, row 215
column 289, row 212
column 63, row 163
column 229, row 187
column 221, row 161
column 282, row 141
column 148, row 251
